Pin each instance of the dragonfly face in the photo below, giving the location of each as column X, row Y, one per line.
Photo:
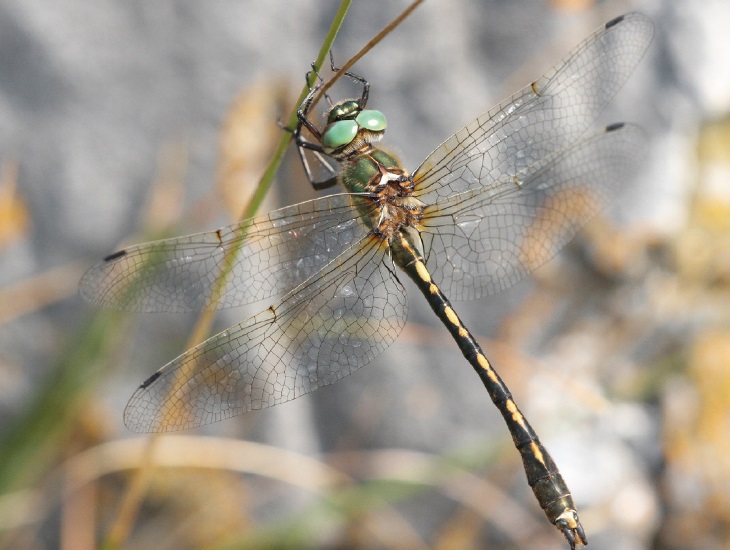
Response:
column 491, row 203
column 350, row 127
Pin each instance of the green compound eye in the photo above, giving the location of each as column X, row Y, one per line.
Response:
column 339, row 134
column 371, row 120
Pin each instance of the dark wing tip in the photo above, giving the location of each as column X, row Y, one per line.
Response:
column 615, row 126
column 150, row 380
column 115, row 256
column 137, row 416
column 615, row 21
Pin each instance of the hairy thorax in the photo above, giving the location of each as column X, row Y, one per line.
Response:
column 387, row 202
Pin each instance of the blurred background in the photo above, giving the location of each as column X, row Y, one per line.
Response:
column 125, row 122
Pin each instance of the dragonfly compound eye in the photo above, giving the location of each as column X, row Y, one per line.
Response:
column 371, row 119
column 339, row 134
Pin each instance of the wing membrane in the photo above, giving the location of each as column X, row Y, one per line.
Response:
column 269, row 255
column 484, row 240
column 542, row 118
column 329, row 326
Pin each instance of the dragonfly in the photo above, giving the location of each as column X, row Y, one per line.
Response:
column 494, row 201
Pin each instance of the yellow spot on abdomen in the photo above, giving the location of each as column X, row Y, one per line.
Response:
column 537, row 453
column 516, row 414
column 484, row 363
column 423, row 273
column 451, row 315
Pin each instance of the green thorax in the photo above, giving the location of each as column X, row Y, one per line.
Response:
column 364, row 172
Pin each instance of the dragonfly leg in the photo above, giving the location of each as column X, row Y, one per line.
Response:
column 319, row 154
column 365, row 84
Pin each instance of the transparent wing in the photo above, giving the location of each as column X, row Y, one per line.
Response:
column 542, row 118
column 484, row 240
column 329, row 326
column 269, row 255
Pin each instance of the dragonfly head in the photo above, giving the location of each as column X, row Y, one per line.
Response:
column 346, row 109
column 348, row 123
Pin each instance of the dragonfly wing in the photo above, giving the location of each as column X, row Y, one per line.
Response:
column 544, row 117
column 335, row 322
column 484, row 240
column 268, row 255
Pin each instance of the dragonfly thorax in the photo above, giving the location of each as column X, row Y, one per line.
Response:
column 399, row 214
column 387, row 201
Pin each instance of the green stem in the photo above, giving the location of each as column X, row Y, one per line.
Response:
column 271, row 170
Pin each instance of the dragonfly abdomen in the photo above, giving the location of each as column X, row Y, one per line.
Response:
column 543, row 476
